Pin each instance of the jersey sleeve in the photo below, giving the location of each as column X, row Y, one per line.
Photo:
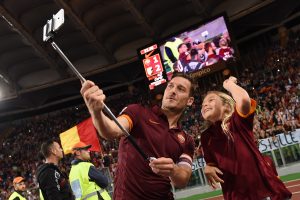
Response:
column 131, row 113
column 251, row 111
column 245, row 120
column 186, row 158
column 190, row 146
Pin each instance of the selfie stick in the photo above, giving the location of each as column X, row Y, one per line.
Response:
column 105, row 108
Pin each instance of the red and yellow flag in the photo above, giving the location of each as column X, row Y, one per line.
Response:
column 84, row 132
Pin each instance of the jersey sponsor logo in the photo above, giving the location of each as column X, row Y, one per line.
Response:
column 181, row 138
column 56, row 174
column 153, row 122
column 57, row 177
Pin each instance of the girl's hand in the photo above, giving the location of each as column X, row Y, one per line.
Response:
column 228, row 82
column 213, row 178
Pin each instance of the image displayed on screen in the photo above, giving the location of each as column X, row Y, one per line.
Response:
column 198, row 49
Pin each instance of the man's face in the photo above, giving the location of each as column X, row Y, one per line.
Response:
column 84, row 154
column 223, row 43
column 177, row 95
column 183, row 48
column 20, row 186
column 57, row 150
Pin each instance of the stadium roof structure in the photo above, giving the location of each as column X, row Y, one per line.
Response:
column 100, row 37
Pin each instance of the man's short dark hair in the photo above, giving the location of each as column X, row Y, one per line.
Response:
column 188, row 77
column 46, row 148
column 194, row 52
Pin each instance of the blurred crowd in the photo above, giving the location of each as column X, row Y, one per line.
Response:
column 275, row 87
column 19, row 153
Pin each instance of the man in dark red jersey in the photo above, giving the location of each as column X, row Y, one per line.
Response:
column 157, row 132
column 225, row 52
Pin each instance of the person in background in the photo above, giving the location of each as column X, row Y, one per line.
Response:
column 86, row 181
column 195, row 63
column 224, row 52
column 19, row 187
column 212, row 58
column 53, row 183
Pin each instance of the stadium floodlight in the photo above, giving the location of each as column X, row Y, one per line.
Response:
column 49, row 30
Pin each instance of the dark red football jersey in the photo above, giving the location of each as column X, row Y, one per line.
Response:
column 134, row 178
column 225, row 53
column 246, row 174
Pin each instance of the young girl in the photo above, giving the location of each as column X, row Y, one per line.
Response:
column 230, row 152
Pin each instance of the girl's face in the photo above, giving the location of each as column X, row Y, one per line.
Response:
column 212, row 108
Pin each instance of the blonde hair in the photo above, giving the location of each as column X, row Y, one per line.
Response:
column 226, row 99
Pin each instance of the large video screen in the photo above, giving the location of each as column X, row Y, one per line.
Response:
column 200, row 50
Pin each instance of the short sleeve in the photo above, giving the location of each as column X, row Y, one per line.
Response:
column 132, row 114
column 244, row 123
column 252, row 109
column 186, row 158
column 190, row 147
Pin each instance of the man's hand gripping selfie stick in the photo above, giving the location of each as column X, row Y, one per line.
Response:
column 49, row 29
